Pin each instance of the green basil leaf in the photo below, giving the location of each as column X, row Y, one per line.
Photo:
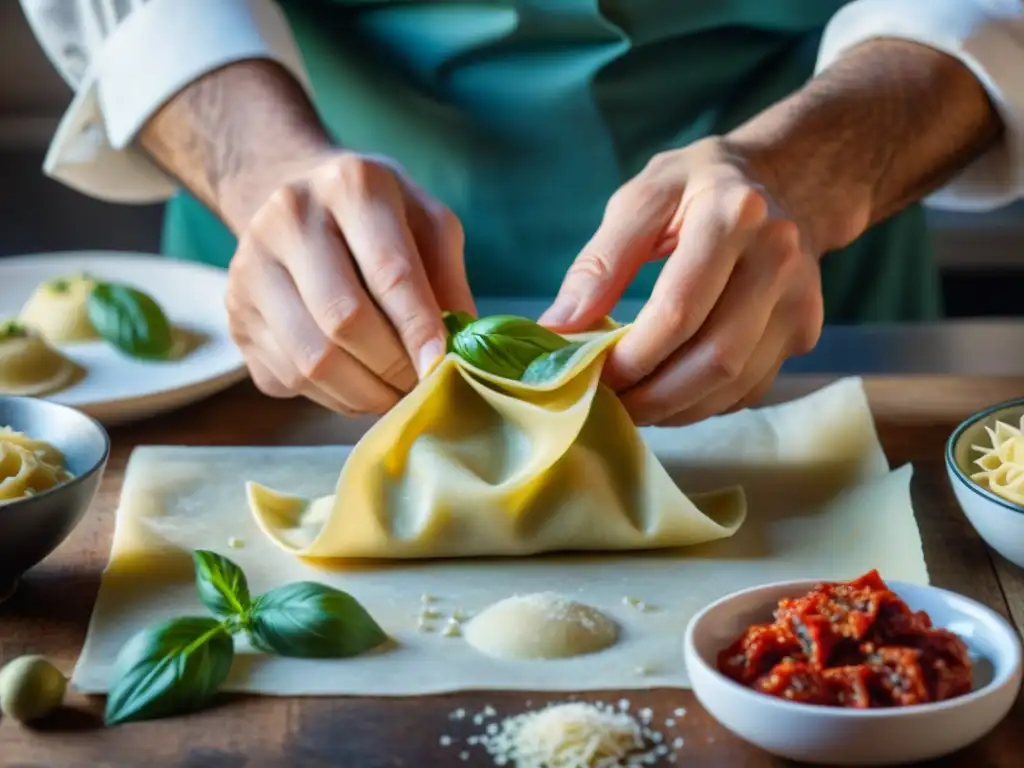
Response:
column 130, row 320
column 222, row 585
column 309, row 620
column 170, row 669
column 455, row 322
column 505, row 345
column 550, row 366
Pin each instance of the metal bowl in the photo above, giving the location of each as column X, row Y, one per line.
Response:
column 31, row 528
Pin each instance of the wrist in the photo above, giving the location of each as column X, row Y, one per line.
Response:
column 242, row 194
column 832, row 208
column 884, row 125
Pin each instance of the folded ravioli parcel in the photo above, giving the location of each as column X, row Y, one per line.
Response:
column 471, row 464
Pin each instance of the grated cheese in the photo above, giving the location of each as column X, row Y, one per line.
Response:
column 573, row 735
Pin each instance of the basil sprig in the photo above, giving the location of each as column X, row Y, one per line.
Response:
column 178, row 666
column 504, row 345
column 130, row 320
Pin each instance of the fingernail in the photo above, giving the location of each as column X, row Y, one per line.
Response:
column 560, row 312
column 429, row 354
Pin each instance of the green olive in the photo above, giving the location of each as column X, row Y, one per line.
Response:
column 30, row 688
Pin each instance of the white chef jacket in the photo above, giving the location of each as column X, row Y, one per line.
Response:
column 125, row 58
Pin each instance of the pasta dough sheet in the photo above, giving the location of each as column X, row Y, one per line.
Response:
column 822, row 504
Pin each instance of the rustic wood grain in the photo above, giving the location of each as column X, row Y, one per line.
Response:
column 50, row 612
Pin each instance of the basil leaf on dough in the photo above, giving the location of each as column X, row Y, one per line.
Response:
column 312, row 621
column 222, row 585
column 170, row 669
column 130, row 320
column 455, row 322
column 505, row 345
column 550, row 366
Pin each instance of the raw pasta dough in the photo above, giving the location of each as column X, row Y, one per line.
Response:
column 59, row 309
column 473, row 464
column 28, row 466
column 29, row 366
column 542, row 625
column 823, row 504
column 1002, row 463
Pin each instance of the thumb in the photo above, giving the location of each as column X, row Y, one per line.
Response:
column 601, row 273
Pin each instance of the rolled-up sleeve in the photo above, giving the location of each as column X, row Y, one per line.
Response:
column 125, row 59
column 988, row 37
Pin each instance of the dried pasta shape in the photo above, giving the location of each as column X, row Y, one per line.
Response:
column 29, row 366
column 471, row 464
column 1002, row 462
column 59, row 309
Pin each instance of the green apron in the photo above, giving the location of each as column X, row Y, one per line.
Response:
column 524, row 116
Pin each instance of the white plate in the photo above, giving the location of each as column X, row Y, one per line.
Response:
column 117, row 388
column 835, row 736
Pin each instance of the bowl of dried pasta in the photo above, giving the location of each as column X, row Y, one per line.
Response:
column 985, row 463
column 52, row 458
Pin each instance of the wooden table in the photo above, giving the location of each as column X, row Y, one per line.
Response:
column 50, row 612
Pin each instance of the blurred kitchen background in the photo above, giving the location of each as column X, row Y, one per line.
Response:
column 982, row 256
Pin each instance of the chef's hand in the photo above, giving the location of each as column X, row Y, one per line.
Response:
column 739, row 294
column 337, row 287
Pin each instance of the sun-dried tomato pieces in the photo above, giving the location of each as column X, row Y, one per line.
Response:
column 853, row 644
column 850, row 686
column 758, row 650
column 795, row 681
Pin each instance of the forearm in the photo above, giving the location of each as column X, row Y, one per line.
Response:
column 885, row 125
column 230, row 136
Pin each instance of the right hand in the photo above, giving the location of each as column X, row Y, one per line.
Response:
column 338, row 284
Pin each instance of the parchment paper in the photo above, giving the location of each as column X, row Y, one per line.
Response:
column 822, row 504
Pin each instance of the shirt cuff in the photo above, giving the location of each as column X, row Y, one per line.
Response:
column 988, row 37
column 157, row 51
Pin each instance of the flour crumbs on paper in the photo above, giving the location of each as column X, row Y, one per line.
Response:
column 571, row 734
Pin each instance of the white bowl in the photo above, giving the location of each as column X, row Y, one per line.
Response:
column 999, row 522
column 837, row 736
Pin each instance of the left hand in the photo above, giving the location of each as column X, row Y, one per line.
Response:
column 739, row 294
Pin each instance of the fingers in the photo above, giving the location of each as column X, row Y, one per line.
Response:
column 743, row 394
column 307, row 242
column 442, row 248
column 331, row 295
column 716, row 362
column 367, row 202
column 271, row 369
column 441, row 242
column 632, row 227
column 305, row 360
column 719, row 224
column 757, row 393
